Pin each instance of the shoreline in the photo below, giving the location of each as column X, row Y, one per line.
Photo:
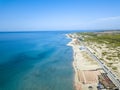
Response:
column 73, row 63
column 82, row 67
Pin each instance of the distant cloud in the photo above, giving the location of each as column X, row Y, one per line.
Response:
column 104, row 23
column 107, row 19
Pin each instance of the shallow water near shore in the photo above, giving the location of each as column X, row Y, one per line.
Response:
column 35, row 61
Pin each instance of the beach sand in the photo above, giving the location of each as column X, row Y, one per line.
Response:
column 86, row 69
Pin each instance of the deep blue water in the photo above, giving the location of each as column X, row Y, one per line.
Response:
column 35, row 61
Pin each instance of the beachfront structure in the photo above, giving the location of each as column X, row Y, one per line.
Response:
column 106, row 82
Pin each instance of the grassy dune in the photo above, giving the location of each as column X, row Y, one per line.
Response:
column 105, row 45
column 112, row 39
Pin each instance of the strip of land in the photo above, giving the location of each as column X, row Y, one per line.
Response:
column 106, row 46
column 88, row 73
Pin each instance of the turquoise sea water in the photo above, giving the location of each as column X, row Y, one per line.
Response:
column 35, row 61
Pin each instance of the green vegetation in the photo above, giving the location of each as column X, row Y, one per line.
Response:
column 109, row 64
column 114, row 68
column 101, row 59
column 104, row 53
column 112, row 39
column 108, row 58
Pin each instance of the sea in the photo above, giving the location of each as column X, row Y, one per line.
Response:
column 36, row 61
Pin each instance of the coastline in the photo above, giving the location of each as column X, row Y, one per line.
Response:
column 85, row 68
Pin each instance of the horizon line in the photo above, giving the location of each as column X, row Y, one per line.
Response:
column 62, row 30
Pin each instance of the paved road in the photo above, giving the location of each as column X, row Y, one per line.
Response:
column 112, row 76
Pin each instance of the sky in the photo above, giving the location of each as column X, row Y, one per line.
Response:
column 17, row 15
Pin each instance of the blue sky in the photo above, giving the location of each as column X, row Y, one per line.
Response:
column 59, row 14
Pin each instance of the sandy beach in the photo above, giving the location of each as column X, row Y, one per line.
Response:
column 86, row 69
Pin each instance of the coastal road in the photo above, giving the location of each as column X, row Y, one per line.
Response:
column 112, row 76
